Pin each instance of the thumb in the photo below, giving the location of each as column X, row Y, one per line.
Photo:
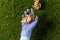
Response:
column 35, row 21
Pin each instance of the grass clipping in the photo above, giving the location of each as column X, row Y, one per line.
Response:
column 28, row 18
column 37, row 4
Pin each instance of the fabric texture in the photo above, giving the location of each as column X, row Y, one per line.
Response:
column 27, row 28
column 24, row 38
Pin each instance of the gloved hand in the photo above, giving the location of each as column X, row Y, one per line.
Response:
column 27, row 28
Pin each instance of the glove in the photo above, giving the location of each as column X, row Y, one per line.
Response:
column 27, row 28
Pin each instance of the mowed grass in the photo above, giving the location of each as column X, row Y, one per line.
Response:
column 48, row 27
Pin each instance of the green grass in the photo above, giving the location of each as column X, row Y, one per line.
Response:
column 48, row 27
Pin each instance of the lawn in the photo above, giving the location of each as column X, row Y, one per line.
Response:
column 48, row 27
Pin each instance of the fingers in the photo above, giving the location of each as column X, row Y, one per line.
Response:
column 25, row 13
column 28, row 11
column 36, row 19
column 22, row 16
column 32, row 11
column 34, row 23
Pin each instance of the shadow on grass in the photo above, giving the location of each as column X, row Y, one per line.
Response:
column 44, row 27
column 43, row 4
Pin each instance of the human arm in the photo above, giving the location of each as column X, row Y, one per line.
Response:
column 27, row 28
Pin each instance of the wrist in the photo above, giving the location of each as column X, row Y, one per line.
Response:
column 26, row 33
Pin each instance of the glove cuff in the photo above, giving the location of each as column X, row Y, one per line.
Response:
column 24, row 38
column 26, row 33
